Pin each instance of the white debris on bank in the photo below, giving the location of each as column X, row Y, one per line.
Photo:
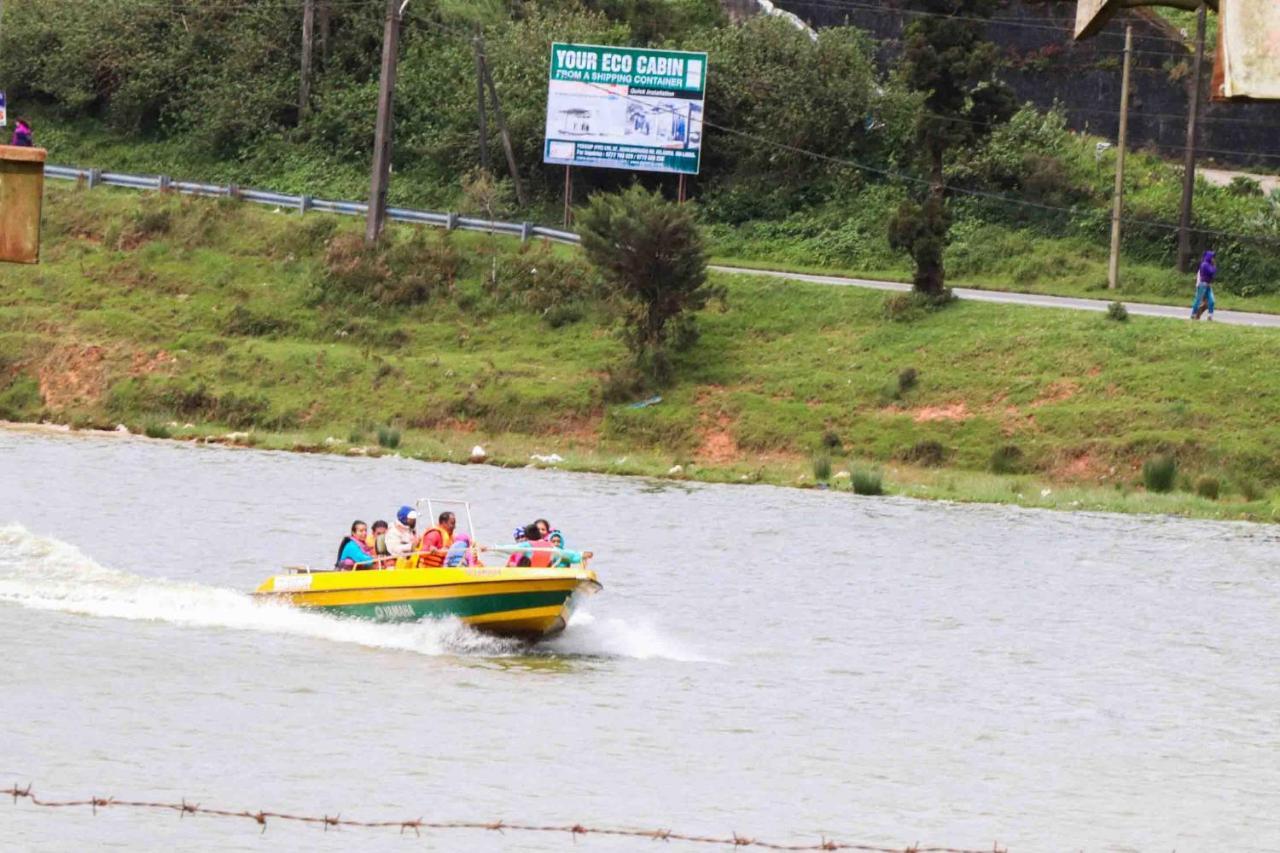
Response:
column 552, row 459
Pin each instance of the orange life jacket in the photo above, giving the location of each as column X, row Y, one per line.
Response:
column 434, row 558
column 542, row 556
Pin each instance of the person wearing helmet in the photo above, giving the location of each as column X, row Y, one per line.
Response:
column 402, row 536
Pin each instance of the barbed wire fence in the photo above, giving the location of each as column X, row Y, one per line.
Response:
column 418, row 825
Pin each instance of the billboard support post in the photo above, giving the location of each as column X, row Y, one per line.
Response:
column 1113, row 266
column 680, row 190
column 568, row 197
column 1189, row 154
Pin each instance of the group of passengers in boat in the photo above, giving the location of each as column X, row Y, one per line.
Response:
column 398, row 545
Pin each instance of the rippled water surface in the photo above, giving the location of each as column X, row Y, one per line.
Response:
column 784, row 664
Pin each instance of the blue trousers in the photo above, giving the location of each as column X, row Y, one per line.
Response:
column 1204, row 295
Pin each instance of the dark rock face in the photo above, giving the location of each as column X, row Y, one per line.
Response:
column 1044, row 65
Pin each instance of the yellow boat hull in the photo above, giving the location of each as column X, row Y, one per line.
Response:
column 511, row 602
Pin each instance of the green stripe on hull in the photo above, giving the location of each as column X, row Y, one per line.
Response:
column 471, row 605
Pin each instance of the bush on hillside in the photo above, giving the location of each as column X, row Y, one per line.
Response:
column 651, row 256
column 1208, row 487
column 928, row 453
column 395, row 271
column 1007, row 459
column 537, row 277
column 1160, row 473
column 867, row 482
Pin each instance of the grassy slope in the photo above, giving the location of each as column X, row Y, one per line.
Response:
column 1085, row 399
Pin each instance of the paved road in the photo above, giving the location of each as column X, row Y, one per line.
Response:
column 1223, row 177
column 1141, row 309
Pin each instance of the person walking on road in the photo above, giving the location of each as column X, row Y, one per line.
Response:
column 1204, row 287
column 22, row 136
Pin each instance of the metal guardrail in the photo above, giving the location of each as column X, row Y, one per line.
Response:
column 305, row 203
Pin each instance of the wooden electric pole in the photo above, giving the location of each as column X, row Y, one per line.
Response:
column 1189, row 154
column 484, row 121
column 1113, row 267
column 383, row 130
column 502, row 129
column 308, row 31
column 324, row 17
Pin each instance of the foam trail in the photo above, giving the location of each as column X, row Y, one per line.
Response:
column 40, row 573
column 46, row 574
column 612, row 636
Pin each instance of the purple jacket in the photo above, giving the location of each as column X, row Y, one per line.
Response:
column 1207, row 270
column 21, row 135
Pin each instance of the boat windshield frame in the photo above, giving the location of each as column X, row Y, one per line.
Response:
column 448, row 503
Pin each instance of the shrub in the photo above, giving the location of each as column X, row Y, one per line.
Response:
column 388, row 437
column 1159, row 473
column 1250, row 490
column 831, row 441
column 821, row 467
column 909, row 307
column 1116, row 311
column 1208, row 487
column 867, row 482
column 1007, row 459
column 246, row 322
column 393, row 272
column 651, row 254
column 156, row 429
column 1243, row 185
column 907, row 379
column 537, row 278
column 21, row 400
column 929, row 453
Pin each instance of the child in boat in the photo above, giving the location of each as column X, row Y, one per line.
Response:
column 352, row 552
column 567, row 557
column 376, row 543
column 460, row 552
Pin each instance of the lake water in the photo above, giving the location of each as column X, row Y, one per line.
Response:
column 785, row 664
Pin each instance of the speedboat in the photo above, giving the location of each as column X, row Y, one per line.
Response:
column 512, row 602
column 509, row 601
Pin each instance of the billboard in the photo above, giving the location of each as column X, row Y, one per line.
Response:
column 4, row 117
column 625, row 108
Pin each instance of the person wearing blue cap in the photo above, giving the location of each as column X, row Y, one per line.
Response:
column 402, row 537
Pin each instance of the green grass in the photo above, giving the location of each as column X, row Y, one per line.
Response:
column 160, row 310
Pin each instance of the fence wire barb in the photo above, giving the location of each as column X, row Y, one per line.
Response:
column 261, row 817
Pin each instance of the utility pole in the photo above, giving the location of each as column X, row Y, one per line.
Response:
column 502, row 129
column 308, row 31
column 1113, row 268
column 382, row 133
column 484, row 121
column 1189, row 154
column 325, row 17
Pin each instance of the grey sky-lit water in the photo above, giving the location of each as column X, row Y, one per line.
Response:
column 780, row 663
